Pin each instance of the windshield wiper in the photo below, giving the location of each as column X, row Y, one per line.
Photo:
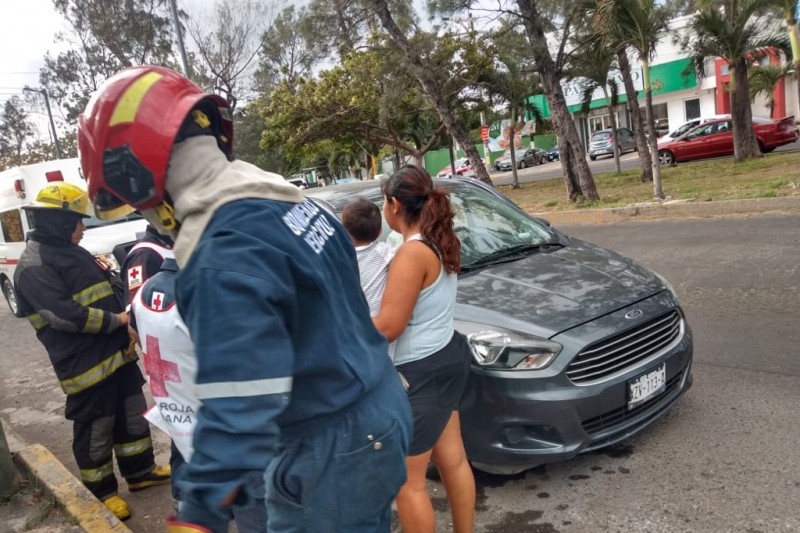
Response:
column 512, row 253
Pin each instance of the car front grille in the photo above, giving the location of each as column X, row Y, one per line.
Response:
column 624, row 349
column 621, row 416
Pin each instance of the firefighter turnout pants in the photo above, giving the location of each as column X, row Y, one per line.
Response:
column 124, row 431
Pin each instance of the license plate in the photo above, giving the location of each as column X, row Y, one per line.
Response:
column 647, row 386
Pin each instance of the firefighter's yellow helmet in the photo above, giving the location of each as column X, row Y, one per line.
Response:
column 64, row 196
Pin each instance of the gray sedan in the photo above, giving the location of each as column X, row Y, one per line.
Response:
column 574, row 347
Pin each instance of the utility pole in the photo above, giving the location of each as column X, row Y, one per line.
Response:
column 8, row 473
column 43, row 92
column 480, row 98
column 186, row 68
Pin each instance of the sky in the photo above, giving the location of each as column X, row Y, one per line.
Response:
column 29, row 33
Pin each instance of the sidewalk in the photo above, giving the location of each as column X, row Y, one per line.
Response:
column 787, row 205
column 52, row 500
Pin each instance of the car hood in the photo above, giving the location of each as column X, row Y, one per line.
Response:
column 546, row 293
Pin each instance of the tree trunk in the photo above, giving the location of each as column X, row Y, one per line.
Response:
column 745, row 144
column 614, row 133
column 568, row 167
column 9, row 481
column 568, row 139
column 794, row 41
column 513, row 149
column 636, row 114
column 658, row 191
column 431, row 90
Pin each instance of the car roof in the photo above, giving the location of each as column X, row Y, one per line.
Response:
column 338, row 195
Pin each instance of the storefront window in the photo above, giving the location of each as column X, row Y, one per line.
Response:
column 692, row 108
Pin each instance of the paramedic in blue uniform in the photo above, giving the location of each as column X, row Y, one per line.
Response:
column 144, row 260
column 292, row 374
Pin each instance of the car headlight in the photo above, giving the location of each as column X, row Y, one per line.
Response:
column 503, row 349
column 109, row 260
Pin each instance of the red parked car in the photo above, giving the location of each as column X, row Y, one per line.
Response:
column 463, row 168
column 715, row 139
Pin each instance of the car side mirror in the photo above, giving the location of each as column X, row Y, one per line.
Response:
column 542, row 221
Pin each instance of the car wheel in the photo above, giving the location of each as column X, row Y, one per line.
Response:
column 665, row 157
column 593, row 157
column 11, row 297
column 522, row 164
column 542, row 160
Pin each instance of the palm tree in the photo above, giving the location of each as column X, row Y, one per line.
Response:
column 790, row 9
column 592, row 60
column 735, row 31
column 641, row 24
column 764, row 80
column 512, row 84
column 632, row 95
column 577, row 174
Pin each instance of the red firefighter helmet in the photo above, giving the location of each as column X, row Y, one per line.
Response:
column 128, row 129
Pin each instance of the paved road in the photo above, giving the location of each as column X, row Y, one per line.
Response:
column 724, row 459
column 606, row 164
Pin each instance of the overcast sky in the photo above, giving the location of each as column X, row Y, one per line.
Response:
column 29, row 33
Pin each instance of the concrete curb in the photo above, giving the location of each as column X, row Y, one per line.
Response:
column 754, row 206
column 77, row 501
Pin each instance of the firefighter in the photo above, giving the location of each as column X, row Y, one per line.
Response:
column 67, row 296
column 291, row 373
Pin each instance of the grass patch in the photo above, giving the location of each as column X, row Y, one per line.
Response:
column 771, row 176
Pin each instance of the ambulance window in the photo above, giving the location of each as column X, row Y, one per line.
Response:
column 12, row 226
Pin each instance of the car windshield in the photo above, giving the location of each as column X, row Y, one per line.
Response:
column 485, row 224
column 601, row 136
column 683, row 129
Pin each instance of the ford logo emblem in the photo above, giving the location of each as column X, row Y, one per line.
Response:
column 634, row 314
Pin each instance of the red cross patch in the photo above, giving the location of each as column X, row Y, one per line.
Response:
column 157, row 301
column 134, row 277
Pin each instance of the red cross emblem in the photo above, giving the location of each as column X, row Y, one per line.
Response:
column 159, row 370
column 156, row 300
column 134, row 277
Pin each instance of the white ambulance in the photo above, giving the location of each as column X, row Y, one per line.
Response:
column 106, row 240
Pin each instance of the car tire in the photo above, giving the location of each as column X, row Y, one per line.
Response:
column 542, row 160
column 11, row 297
column 522, row 164
column 593, row 157
column 666, row 158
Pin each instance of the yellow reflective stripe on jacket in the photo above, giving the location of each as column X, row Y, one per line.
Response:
column 37, row 321
column 95, row 475
column 136, row 447
column 96, row 292
column 94, row 322
column 94, row 375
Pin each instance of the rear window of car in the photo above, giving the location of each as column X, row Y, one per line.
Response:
column 601, row 136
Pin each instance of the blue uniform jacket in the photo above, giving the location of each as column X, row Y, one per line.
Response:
column 272, row 298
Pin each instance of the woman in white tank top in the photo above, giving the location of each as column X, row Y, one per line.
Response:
column 417, row 311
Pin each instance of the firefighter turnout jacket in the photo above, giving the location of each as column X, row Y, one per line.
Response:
column 68, row 298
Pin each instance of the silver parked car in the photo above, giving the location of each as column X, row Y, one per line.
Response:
column 602, row 142
column 574, row 347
